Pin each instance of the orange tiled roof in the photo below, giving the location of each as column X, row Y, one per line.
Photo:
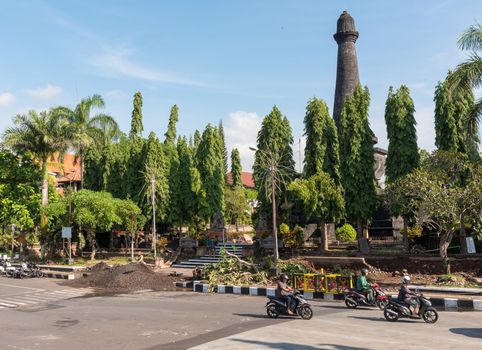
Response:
column 69, row 172
column 246, row 179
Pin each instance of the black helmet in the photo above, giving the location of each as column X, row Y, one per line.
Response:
column 283, row 277
column 364, row 271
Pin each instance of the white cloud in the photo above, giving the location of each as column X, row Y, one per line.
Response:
column 45, row 93
column 119, row 63
column 6, row 98
column 241, row 130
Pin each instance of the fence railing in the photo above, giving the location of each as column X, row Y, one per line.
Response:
column 325, row 283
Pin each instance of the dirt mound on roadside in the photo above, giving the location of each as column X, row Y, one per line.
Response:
column 125, row 278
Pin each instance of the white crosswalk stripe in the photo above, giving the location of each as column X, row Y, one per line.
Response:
column 37, row 297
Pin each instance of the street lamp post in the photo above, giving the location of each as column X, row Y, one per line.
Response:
column 272, row 168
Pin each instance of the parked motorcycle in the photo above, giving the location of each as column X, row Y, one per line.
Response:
column 6, row 267
column 354, row 299
column 396, row 309
column 32, row 270
column 276, row 306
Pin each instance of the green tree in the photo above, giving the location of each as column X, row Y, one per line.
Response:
column 182, row 198
column 468, row 77
column 322, row 149
column 41, row 135
column 85, row 131
column 131, row 219
column 357, row 158
column 236, row 169
column 236, row 205
column 154, row 170
column 210, row 166
column 224, row 151
column 438, row 202
column 274, row 144
column 321, row 198
column 136, row 121
column 93, row 212
column 452, row 111
column 19, row 196
column 171, row 127
column 403, row 154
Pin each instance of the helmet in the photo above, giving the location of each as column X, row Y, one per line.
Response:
column 364, row 271
column 283, row 277
column 405, row 279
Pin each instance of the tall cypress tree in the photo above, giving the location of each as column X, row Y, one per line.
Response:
column 136, row 121
column 223, row 147
column 452, row 109
column 210, row 166
column 322, row 150
column 276, row 138
column 236, row 169
column 357, row 158
column 133, row 178
column 403, row 154
column 182, row 197
column 154, row 169
column 171, row 127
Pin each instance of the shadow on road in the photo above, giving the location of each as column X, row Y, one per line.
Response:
column 340, row 307
column 293, row 346
column 469, row 332
column 380, row 319
column 265, row 317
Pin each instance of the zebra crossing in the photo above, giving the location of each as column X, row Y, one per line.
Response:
column 39, row 297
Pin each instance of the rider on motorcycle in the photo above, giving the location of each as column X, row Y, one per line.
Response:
column 363, row 286
column 283, row 292
column 407, row 296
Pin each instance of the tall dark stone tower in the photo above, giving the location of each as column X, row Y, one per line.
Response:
column 347, row 78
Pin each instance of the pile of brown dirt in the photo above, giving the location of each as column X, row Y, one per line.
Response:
column 125, row 278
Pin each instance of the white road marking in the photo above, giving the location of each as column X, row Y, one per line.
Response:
column 15, row 286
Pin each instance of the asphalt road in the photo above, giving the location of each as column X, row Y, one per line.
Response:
column 183, row 320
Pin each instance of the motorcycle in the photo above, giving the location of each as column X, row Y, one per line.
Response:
column 354, row 299
column 33, row 270
column 276, row 306
column 396, row 309
column 6, row 268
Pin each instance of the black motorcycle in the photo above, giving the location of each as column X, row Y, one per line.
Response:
column 396, row 309
column 276, row 306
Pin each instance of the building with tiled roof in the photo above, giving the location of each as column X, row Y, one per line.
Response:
column 66, row 173
column 246, row 179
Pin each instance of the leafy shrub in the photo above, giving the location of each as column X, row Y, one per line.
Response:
column 292, row 238
column 290, row 267
column 346, row 233
column 162, row 244
column 415, row 231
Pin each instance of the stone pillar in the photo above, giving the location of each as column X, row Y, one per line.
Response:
column 347, row 78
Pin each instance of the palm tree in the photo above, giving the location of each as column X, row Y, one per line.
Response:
column 468, row 75
column 41, row 135
column 85, row 131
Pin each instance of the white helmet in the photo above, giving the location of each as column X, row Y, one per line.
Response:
column 406, row 279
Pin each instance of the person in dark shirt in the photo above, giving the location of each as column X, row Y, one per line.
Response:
column 407, row 296
column 283, row 291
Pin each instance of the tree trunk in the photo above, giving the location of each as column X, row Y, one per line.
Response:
column 462, row 235
column 111, row 241
column 359, row 227
column 92, row 242
column 45, row 183
column 324, row 237
column 404, row 233
column 81, row 169
column 132, row 246
column 445, row 239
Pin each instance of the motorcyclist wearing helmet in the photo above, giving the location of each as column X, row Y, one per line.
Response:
column 283, row 291
column 407, row 296
column 363, row 286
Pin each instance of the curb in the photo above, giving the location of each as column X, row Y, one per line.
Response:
column 69, row 276
column 443, row 304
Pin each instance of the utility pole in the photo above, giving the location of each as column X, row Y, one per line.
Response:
column 153, row 197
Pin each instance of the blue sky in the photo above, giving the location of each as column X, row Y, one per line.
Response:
column 223, row 60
